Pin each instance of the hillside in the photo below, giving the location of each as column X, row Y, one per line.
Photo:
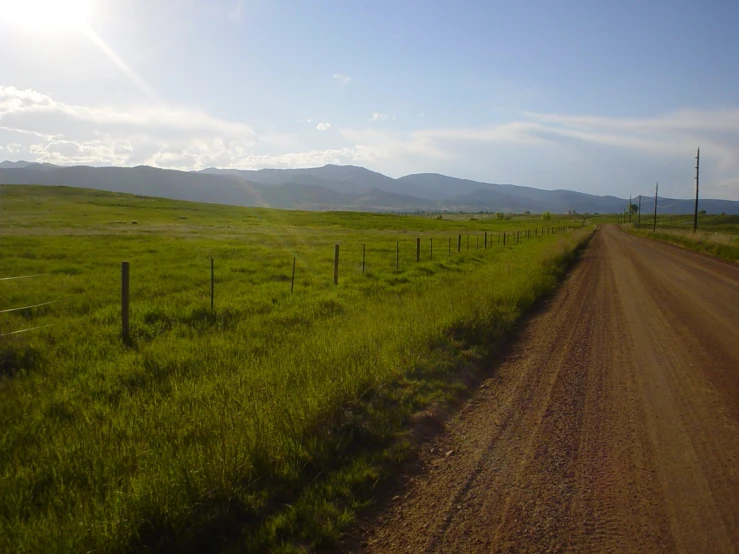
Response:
column 334, row 187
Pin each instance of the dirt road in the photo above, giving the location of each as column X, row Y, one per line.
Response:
column 612, row 425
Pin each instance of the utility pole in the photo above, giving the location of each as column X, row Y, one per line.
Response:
column 654, row 223
column 697, row 168
column 629, row 208
column 638, row 215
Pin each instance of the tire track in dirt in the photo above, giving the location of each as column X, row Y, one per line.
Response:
column 611, row 426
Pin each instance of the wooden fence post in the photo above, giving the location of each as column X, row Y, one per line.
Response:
column 468, row 242
column 459, row 243
column 292, row 280
column 418, row 249
column 431, row 252
column 397, row 254
column 364, row 253
column 336, row 264
column 504, row 239
column 124, row 303
column 486, row 240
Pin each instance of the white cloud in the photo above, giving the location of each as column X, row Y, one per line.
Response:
column 568, row 150
column 72, row 134
column 39, row 128
column 534, row 148
column 312, row 158
column 672, row 134
column 343, row 78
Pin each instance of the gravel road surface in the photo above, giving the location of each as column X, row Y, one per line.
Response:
column 611, row 426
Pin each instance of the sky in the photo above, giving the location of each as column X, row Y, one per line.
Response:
column 605, row 97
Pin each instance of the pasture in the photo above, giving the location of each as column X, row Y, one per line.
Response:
column 261, row 424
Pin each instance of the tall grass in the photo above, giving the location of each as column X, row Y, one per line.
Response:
column 260, row 426
column 717, row 244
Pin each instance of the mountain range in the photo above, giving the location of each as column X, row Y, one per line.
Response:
column 334, row 187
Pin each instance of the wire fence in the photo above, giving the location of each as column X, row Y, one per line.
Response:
column 24, row 308
column 456, row 243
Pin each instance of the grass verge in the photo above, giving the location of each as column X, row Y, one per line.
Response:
column 709, row 243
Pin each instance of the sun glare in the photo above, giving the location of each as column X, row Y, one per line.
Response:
column 45, row 16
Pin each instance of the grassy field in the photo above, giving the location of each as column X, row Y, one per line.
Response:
column 262, row 425
column 717, row 234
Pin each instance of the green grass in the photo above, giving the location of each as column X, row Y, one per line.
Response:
column 261, row 426
column 717, row 235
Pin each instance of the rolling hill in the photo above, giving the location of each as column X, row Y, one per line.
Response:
column 334, row 187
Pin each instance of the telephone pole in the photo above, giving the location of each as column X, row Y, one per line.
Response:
column 638, row 215
column 654, row 223
column 697, row 168
column 629, row 208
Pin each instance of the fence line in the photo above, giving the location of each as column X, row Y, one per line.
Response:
column 125, row 280
column 25, row 330
column 29, row 307
column 23, row 277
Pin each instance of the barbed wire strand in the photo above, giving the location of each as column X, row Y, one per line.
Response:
column 22, row 277
column 24, row 330
column 29, row 307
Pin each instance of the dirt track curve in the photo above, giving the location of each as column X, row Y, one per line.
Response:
column 612, row 425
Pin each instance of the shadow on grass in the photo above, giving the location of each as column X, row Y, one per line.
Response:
column 366, row 449
column 17, row 357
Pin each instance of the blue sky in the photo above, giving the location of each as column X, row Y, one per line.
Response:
column 603, row 97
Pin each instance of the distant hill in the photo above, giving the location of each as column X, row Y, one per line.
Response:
column 333, row 187
column 22, row 164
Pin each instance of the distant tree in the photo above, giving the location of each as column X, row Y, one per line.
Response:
column 702, row 212
column 499, row 215
column 634, row 208
column 546, row 216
